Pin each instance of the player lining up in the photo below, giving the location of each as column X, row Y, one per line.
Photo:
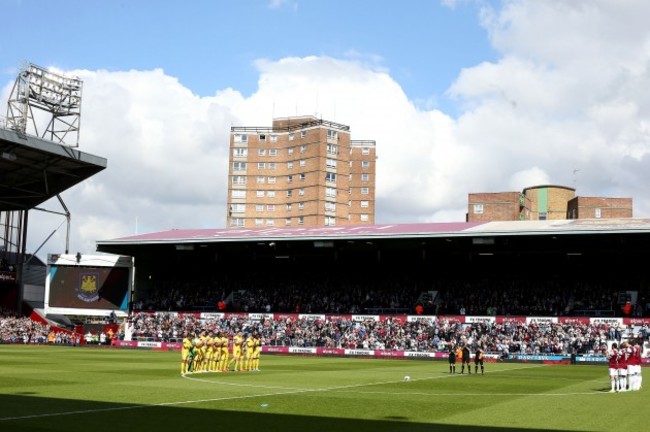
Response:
column 624, row 366
column 209, row 353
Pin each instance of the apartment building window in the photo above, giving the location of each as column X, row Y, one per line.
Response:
column 303, row 148
column 478, row 208
column 289, row 165
column 269, row 222
column 261, row 180
column 287, row 221
column 365, row 164
column 288, row 207
column 364, row 218
column 259, row 222
column 274, row 138
column 301, row 191
column 302, row 177
column 301, row 220
column 597, row 212
column 270, row 208
column 236, row 193
column 259, row 207
column 365, row 177
column 240, row 152
column 365, row 151
column 270, row 194
column 289, row 192
column 330, row 206
column 272, row 180
column 273, row 152
column 289, row 179
column 239, row 180
column 239, row 166
column 291, row 136
column 303, row 134
column 241, row 138
column 261, row 152
column 272, row 165
column 237, row 222
column 330, row 163
column 262, row 137
column 364, row 191
column 330, row 177
column 330, row 192
column 331, row 134
column 364, row 204
column 303, row 162
column 261, row 165
column 332, row 149
column 290, row 150
column 260, row 194
column 301, row 205
column 238, row 208
column 330, row 221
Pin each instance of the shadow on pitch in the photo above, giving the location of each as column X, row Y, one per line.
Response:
column 47, row 414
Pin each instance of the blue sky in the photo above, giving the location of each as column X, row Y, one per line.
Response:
column 212, row 44
column 461, row 96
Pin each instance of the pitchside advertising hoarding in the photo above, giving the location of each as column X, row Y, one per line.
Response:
column 88, row 284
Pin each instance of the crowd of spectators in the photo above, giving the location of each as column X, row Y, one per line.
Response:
column 424, row 335
column 14, row 329
column 391, row 293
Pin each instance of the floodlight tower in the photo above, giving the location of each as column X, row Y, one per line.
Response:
column 53, row 95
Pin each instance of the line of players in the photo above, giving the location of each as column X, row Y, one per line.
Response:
column 463, row 353
column 624, row 367
column 209, row 352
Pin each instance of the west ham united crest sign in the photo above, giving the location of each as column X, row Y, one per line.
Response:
column 88, row 289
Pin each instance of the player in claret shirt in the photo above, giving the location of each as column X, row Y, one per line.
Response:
column 622, row 367
column 612, row 362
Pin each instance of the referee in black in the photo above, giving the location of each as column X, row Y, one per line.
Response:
column 478, row 361
column 452, row 359
column 465, row 361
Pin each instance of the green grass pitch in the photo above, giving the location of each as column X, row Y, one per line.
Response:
column 52, row 388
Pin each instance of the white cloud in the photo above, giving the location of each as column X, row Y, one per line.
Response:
column 566, row 104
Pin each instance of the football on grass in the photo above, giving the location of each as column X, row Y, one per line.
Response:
column 407, row 378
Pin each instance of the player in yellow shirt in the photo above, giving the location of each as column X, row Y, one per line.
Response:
column 223, row 364
column 237, row 344
column 250, row 347
column 218, row 353
column 204, row 352
column 185, row 354
column 214, row 348
column 257, row 349
column 209, row 351
column 195, row 364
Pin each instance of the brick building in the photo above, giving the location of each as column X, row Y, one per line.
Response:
column 598, row 207
column 300, row 171
column 544, row 202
